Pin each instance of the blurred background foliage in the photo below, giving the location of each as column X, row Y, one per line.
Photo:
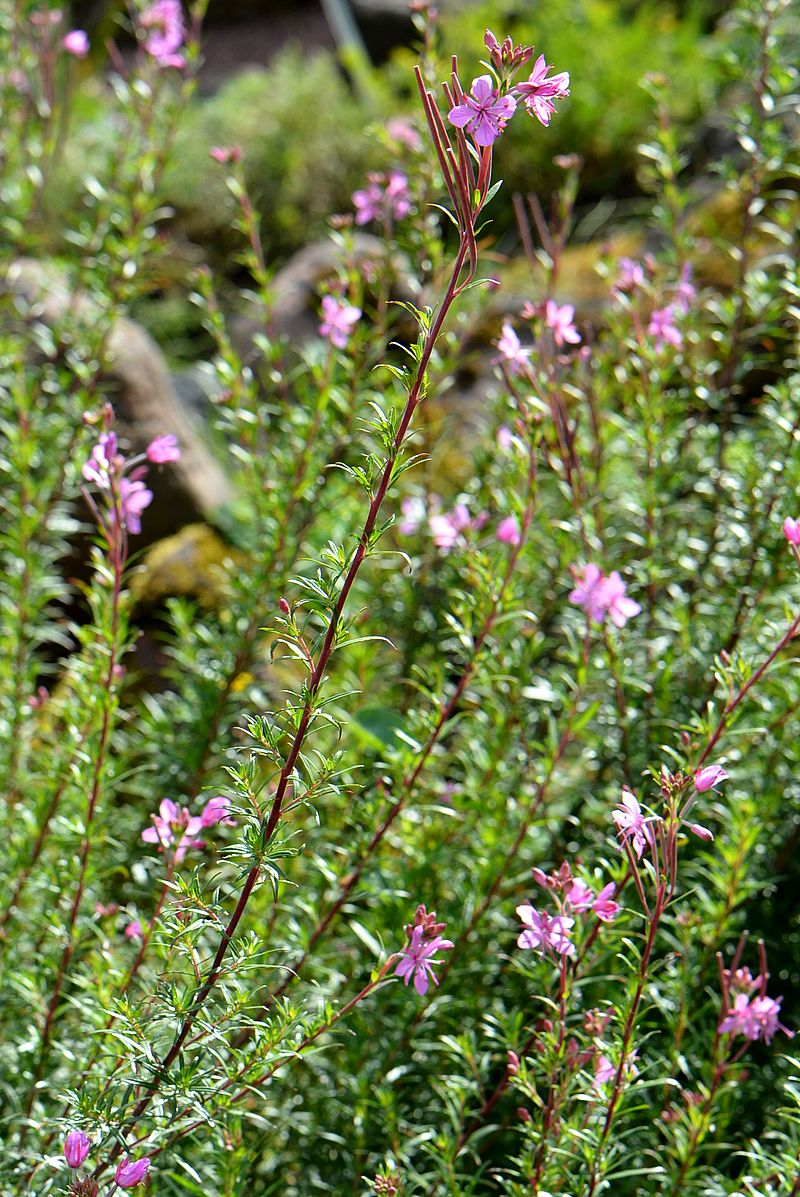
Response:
column 308, row 139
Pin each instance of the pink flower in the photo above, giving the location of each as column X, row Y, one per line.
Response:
column 617, row 604
column 600, row 596
column 103, row 461
column 603, row 1071
column 131, row 1173
column 631, row 823
column 163, row 22
column 483, row 113
column 163, row 449
column 403, row 131
column 539, row 92
column 224, row 154
column 662, row 328
column 383, row 199
column 579, row 896
column 413, row 509
column 508, row 531
column 708, row 777
column 397, row 196
column 133, row 498
column 216, row 810
column 76, row 43
column 368, row 204
column 418, row 959
column 338, row 320
column 447, row 529
column 76, row 1148
column 685, row 294
column 701, row 832
column 630, row 275
column 588, row 592
column 505, row 438
column 755, row 1018
column 171, row 824
column 134, row 930
column 559, row 319
column 512, row 355
column 541, row 930
column 791, row 530
column 603, row 906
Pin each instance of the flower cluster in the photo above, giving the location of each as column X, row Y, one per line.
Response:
column 384, row 199
column 491, row 102
column 164, row 30
column 448, row 528
column 554, row 932
column 747, row 1010
column 419, row 955
column 640, row 830
column 121, row 480
column 602, row 596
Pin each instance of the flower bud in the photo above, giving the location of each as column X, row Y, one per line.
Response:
column 131, row 1173
column 76, row 1148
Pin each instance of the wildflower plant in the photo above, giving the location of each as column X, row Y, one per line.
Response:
column 552, row 697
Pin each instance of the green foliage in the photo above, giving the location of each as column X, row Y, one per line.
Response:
column 306, row 148
column 401, row 711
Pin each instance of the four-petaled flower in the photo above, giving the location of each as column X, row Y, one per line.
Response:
column 545, row 931
column 632, row 825
column 512, row 355
column 174, row 824
column 588, row 592
column 559, row 320
column 599, row 595
column 418, row 959
column 483, row 113
column 755, row 1018
column 338, row 319
column 663, row 330
column 539, row 92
